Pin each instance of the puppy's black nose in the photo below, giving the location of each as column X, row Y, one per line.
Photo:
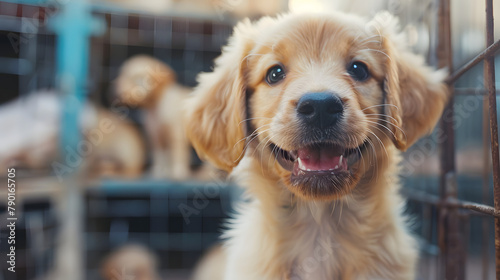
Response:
column 320, row 109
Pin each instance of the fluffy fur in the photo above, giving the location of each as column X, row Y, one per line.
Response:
column 353, row 227
column 149, row 84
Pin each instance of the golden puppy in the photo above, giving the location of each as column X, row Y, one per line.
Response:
column 149, row 84
column 308, row 112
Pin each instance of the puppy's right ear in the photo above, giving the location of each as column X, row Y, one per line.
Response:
column 415, row 91
column 215, row 112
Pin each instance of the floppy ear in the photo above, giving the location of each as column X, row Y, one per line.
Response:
column 216, row 110
column 415, row 93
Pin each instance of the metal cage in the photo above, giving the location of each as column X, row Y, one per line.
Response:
column 450, row 228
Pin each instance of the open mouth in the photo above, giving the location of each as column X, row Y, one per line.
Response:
column 322, row 171
column 318, row 159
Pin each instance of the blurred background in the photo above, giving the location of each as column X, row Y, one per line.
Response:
column 108, row 187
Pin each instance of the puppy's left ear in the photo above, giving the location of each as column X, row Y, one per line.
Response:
column 215, row 112
column 415, row 93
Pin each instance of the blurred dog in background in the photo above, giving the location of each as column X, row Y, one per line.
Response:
column 149, row 84
column 31, row 128
column 130, row 262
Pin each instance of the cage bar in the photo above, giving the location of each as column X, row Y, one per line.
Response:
column 450, row 239
column 489, row 83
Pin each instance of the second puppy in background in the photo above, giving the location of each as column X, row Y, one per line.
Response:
column 147, row 83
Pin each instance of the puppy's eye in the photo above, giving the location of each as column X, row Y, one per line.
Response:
column 359, row 71
column 275, row 74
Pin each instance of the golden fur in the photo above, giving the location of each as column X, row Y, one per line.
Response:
column 148, row 83
column 351, row 228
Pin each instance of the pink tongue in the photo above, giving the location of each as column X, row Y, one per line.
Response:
column 322, row 158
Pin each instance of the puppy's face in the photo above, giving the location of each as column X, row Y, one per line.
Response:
column 313, row 92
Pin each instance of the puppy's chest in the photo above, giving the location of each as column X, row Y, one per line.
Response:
column 319, row 260
column 315, row 251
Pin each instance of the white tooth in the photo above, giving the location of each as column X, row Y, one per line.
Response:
column 330, row 169
column 333, row 173
column 336, row 166
column 340, row 161
column 308, row 169
column 301, row 166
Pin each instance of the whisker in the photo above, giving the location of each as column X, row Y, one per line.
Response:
column 379, row 34
column 262, row 150
column 364, row 43
column 251, row 134
column 272, row 151
column 254, row 136
column 264, row 145
column 260, row 133
column 376, row 179
column 383, row 115
column 256, row 148
column 245, row 58
column 379, row 105
column 381, row 129
column 396, row 126
column 361, row 154
column 256, row 118
column 380, row 141
column 379, row 51
column 364, row 39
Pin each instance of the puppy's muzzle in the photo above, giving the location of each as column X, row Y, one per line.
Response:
column 320, row 109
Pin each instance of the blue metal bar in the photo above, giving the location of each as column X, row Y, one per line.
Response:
column 72, row 28
column 73, row 25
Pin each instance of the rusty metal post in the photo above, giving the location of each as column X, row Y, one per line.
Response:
column 489, row 83
column 453, row 255
column 486, row 189
column 450, row 235
column 427, row 234
column 445, row 60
